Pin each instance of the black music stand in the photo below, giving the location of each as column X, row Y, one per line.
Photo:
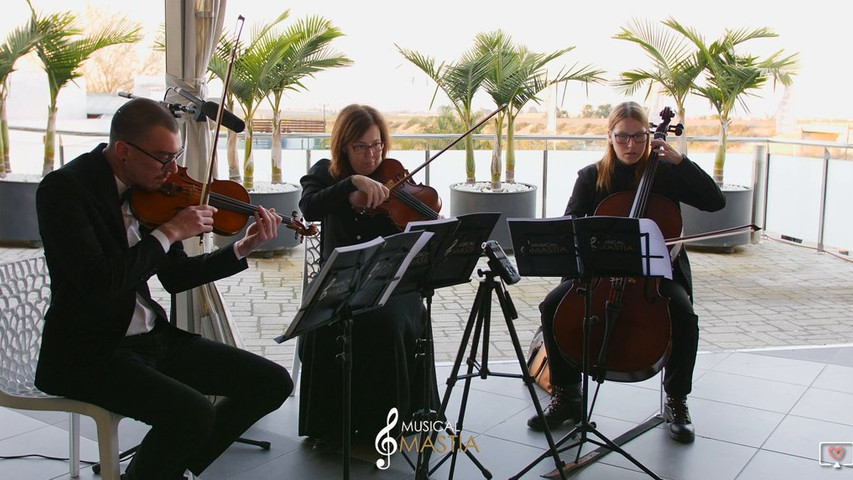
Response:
column 453, row 253
column 583, row 249
column 479, row 321
column 354, row 280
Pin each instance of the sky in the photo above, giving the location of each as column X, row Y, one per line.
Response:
column 444, row 29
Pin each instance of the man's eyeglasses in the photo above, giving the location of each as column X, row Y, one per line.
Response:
column 623, row 138
column 165, row 162
column 361, row 148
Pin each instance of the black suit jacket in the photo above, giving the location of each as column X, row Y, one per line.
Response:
column 95, row 276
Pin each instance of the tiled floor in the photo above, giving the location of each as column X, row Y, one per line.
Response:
column 758, row 415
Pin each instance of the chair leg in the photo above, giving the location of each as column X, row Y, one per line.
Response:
column 294, row 372
column 108, row 446
column 74, row 445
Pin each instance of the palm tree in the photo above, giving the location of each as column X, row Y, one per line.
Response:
column 305, row 51
column 516, row 76
column 460, row 81
column 675, row 66
column 62, row 50
column 255, row 63
column 730, row 76
column 19, row 42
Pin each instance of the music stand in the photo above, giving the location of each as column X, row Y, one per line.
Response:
column 354, row 280
column 593, row 247
column 479, row 321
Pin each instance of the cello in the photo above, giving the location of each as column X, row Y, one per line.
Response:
column 634, row 340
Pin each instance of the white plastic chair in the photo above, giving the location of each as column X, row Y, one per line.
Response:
column 24, row 297
column 310, row 269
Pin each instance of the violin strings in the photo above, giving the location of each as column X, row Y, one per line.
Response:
column 234, row 205
column 415, row 203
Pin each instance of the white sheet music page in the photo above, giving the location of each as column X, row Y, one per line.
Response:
column 656, row 250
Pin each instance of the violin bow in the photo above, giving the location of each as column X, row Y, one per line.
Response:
column 448, row 147
column 205, row 188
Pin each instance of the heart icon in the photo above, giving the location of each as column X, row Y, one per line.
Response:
column 836, row 452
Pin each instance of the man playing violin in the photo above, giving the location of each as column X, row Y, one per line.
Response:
column 106, row 341
column 337, row 192
column 678, row 179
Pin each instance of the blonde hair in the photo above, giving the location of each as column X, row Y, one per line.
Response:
column 352, row 123
column 608, row 163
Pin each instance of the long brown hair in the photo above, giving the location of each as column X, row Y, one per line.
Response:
column 352, row 123
column 608, row 163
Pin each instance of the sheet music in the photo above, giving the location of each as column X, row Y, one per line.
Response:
column 655, row 250
column 419, row 244
column 544, row 247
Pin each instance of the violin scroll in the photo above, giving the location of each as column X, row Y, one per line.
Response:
column 297, row 225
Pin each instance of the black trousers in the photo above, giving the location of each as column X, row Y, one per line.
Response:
column 163, row 378
column 678, row 372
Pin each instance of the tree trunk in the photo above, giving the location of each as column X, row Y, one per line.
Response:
column 50, row 140
column 4, row 139
column 248, row 159
column 470, row 166
column 275, row 148
column 510, row 149
column 682, row 139
column 496, row 154
column 231, row 153
column 720, row 158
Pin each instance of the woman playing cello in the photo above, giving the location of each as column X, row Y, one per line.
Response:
column 678, row 179
column 337, row 192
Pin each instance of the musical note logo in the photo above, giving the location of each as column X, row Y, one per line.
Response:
column 384, row 443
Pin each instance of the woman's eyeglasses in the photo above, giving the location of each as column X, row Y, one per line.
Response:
column 623, row 138
column 361, row 148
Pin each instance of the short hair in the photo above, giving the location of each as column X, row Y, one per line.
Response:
column 133, row 120
column 352, row 123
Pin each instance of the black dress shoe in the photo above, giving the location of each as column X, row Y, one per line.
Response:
column 566, row 405
column 677, row 415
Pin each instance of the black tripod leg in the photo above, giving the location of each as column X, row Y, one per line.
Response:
column 484, row 300
column 510, row 314
column 423, row 470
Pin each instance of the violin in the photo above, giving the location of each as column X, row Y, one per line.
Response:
column 634, row 340
column 408, row 201
column 156, row 207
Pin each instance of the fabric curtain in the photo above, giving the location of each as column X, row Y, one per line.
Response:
column 200, row 23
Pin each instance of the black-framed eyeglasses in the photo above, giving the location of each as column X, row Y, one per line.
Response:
column 165, row 162
column 622, row 138
column 361, row 148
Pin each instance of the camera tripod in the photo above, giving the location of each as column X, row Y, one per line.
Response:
column 479, row 321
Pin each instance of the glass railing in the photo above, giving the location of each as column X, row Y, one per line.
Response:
column 803, row 188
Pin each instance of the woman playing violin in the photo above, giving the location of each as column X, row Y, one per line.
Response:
column 678, row 179
column 336, row 192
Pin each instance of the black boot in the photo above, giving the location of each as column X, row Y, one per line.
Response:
column 675, row 413
column 566, row 405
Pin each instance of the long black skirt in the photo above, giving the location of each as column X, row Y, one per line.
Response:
column 385, row 372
